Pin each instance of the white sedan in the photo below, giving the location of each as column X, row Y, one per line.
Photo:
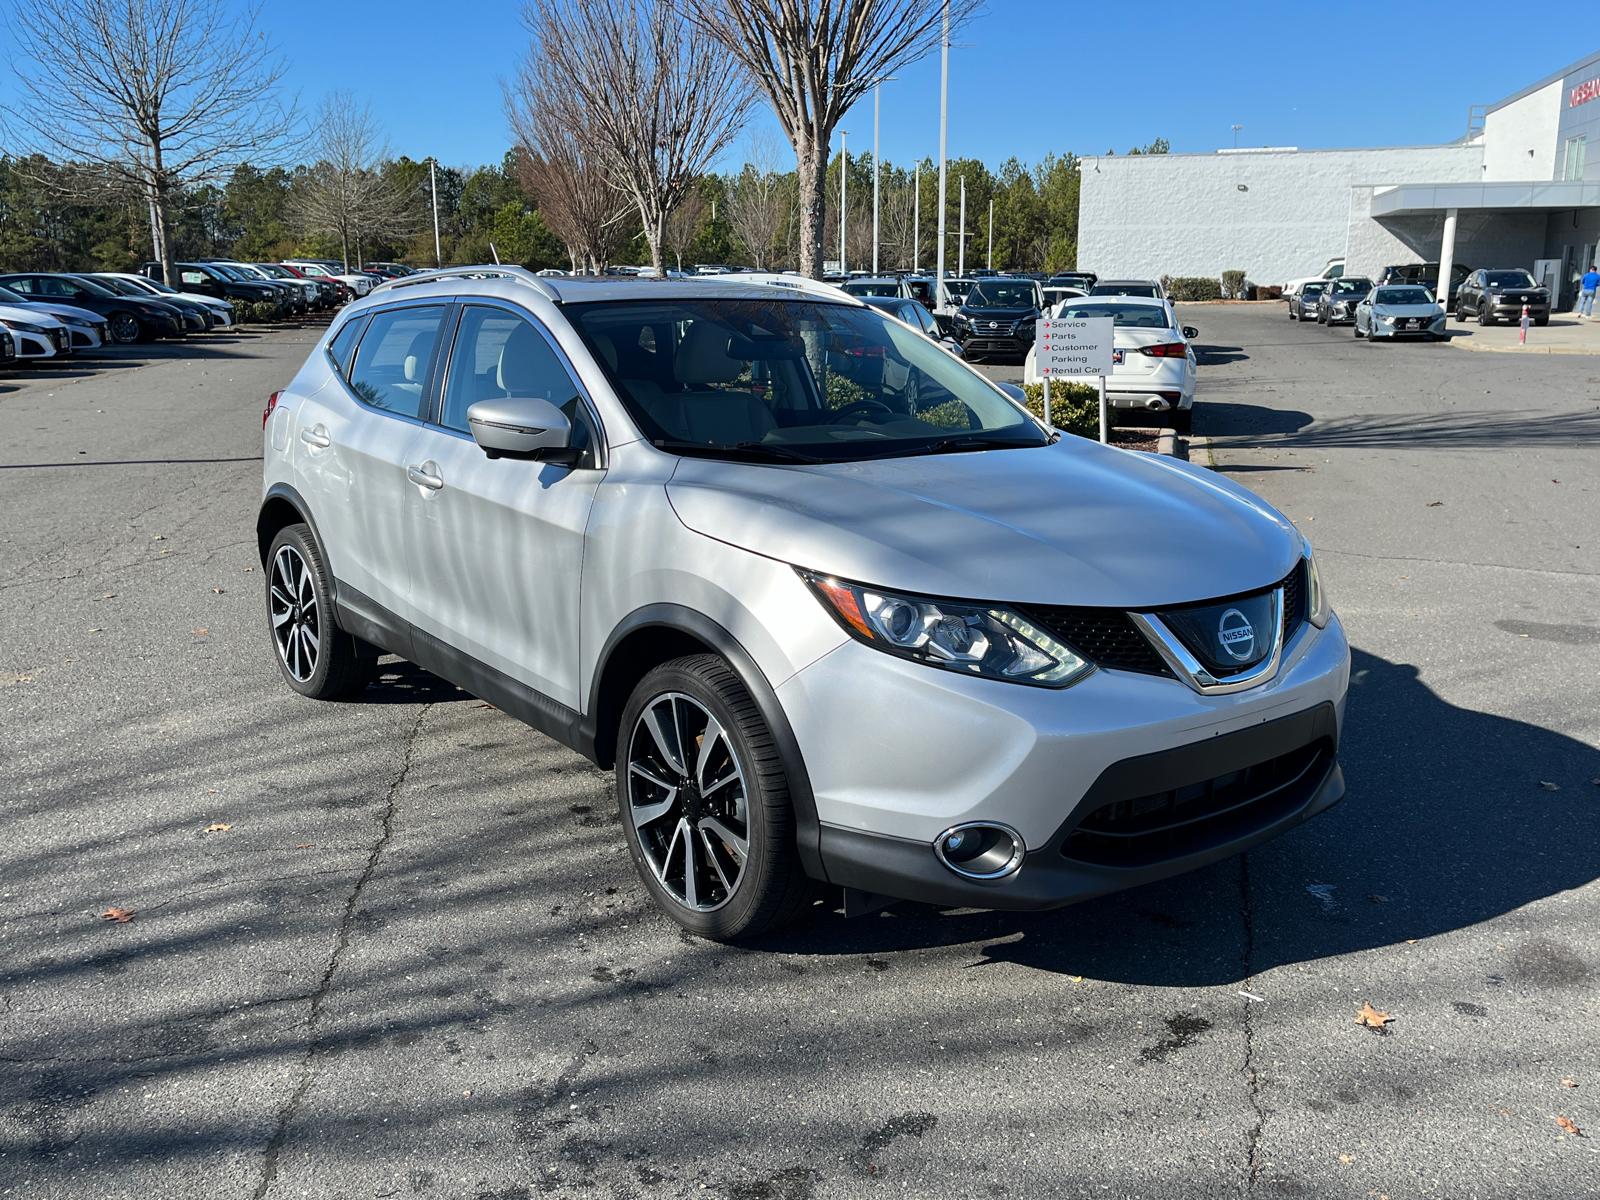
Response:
column 1153, row 359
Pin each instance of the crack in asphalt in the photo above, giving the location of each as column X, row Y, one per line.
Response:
column 1253, row 1139
column 307, row 1068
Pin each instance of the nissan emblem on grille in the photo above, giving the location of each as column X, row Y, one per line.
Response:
column 1236, row 635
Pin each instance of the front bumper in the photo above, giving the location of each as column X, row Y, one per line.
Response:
column 1513, row 312
column 947, row 750
column 1433, row 329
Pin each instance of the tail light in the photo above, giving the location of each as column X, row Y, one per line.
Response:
column 272, row 403
column 1166, row 350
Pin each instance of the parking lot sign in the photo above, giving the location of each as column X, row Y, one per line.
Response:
column 1075, row 347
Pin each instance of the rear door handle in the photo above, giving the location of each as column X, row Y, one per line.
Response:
column 317, row 436
column 427, row 475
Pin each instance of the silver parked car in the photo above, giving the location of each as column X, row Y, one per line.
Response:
column 837, row 609
column 1396, row 312
column 1304, row 300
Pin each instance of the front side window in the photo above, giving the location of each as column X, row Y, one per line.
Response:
column 391, row 364
column 499, row 355
column 787, row 379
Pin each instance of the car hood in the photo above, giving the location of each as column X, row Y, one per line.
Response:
column 1073, row 523
column 30, row 315
column 66, row 310
column 1409, row 310
column 998, row 314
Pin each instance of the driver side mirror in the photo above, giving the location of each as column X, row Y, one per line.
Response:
column 521, row 427
column 1015, row 392
column 1190, row 332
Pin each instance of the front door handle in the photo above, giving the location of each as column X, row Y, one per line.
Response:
column 316, row 436
column 427, row 475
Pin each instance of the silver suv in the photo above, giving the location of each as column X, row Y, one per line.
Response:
column 835, row 606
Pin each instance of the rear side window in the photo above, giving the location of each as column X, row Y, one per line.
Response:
column 391, row 364
column 343, row 343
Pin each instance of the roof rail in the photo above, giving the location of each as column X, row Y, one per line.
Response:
column 487, row 271
column 799, row 283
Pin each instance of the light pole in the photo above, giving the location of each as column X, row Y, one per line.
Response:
column 877, row 164
column 916, row 218
column 961, row 246
column 944, row 126
column 990, row 261
column 433, row 186
column 844, row 174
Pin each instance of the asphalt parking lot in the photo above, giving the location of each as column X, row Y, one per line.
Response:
column 393, row 947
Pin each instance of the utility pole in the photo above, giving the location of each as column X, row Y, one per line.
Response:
column 961, row 246
column 990, row 261
column 844, row 174
column 944, row 126
column 433, row 186
column 916, row 218
column 877, row 171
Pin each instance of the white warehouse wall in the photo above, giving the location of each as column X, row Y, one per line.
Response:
column 1521, row 139
column 1144, row 216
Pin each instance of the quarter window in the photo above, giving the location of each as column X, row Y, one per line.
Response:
column 344, row 342
column 499, row 355
column 391, row 365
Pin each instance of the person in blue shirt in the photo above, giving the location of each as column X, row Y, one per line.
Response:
column 1588, row 283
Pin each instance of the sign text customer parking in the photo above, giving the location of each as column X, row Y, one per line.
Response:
column 1077, row 346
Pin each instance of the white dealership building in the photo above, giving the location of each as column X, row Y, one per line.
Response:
column 1511, row 192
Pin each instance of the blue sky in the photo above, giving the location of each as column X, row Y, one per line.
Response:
column 1038, row 76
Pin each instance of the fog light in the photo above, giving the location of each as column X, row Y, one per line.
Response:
column 980, row 850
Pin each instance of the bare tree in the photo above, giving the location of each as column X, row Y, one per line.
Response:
column 898, row 210
column 661, row 101
column 757, row 204
column 816, row 58
column 346, row 192
column 560, row 168
column 683, row 223
column 161, row 95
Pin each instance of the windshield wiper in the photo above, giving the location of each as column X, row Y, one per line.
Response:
column 958, row 446
column 752, row 449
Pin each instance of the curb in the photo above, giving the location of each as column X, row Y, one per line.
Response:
column 1167, row 443
column 1521, row 349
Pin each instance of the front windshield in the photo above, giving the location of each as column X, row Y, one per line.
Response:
column 1312, row 289
column 1508, row 278
column 791, row 379
column 993, row 294
column 1350, row 287
column 225, row 272
column 876, row 288
column 158, row 286
column 1135, row 316
column 121, row 286
column 1414, row 295
column 93, row 288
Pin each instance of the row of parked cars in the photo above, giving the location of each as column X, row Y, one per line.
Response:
column 1398, row 305
column 52, row 314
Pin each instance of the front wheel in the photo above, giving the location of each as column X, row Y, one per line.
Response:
column 125, row 328
column 704, row 801
column 317, row 658
column 1484, row 316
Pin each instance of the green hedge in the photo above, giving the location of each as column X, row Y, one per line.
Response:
column 1074, row 407
column 1194, row 287
column 255, row 312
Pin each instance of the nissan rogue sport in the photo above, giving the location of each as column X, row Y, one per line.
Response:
column 836, row 607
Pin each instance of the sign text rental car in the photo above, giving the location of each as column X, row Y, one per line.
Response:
column 1080, row 346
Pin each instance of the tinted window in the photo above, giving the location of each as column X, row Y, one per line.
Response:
column 1001, row 295
column 1516, row 279
column 1123, row 289
column 1403, row 296
column 1137, row 316
column 1350, row 287
column 1313, row 289
column 498, row 355
column 29, row 287
column 880, row 288
column 344, row 342
column 391, row 365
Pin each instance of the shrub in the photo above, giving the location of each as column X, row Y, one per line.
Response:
column 255, row 312
column 1192, row 288
column 1233, row 285
column 1074, row 407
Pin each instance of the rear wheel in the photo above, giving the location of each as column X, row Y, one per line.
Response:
column 317, row 658
column 704, row 802
column 1355, row 328
column 125, row 328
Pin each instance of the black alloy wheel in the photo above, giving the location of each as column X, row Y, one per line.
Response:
column 704, row 802
column 317, row 658
column 1485, row 313
column 125, row 328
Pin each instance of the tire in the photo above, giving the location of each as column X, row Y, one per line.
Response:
column 1180, row 420
column 1461, row 315
column 1321, row 320
column 125, row 328
column 663, row 803
column 316, row 657
column 1355, row 328
column 1484, row 315
column 1292, row 317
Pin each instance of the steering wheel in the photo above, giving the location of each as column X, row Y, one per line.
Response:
column 859, row 406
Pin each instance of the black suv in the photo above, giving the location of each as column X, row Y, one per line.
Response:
column 997, row 317
column 1337, row 304
column 205, row 278
column 1491, row 295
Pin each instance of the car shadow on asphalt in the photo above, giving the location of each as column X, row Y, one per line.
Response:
column 1446, row 825
column 1216, row 356
column 1221, row 418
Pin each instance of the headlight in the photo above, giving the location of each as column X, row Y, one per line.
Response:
column 24, row 327
column 992, row 642
column 1318, row 610
column 1385, row 318
column 77, row 321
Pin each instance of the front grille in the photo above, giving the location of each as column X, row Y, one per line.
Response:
column 1105, row 636
column 1186, row 820
column 1294, row 600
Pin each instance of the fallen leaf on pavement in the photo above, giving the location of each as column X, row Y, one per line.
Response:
column 1568, row 1083
column 218, row 828
column 1435, row 503
column 1344, row 1158
column 1568, row 1126
column 119, row 916
column 218, row 591
column 1367, row 1015
column 160, row 537
column 247, row 570
column 306, row 846
column 1411, row 941
column 1550, row 787
column 199, row 631
column 109, row 596
column 97, row 629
